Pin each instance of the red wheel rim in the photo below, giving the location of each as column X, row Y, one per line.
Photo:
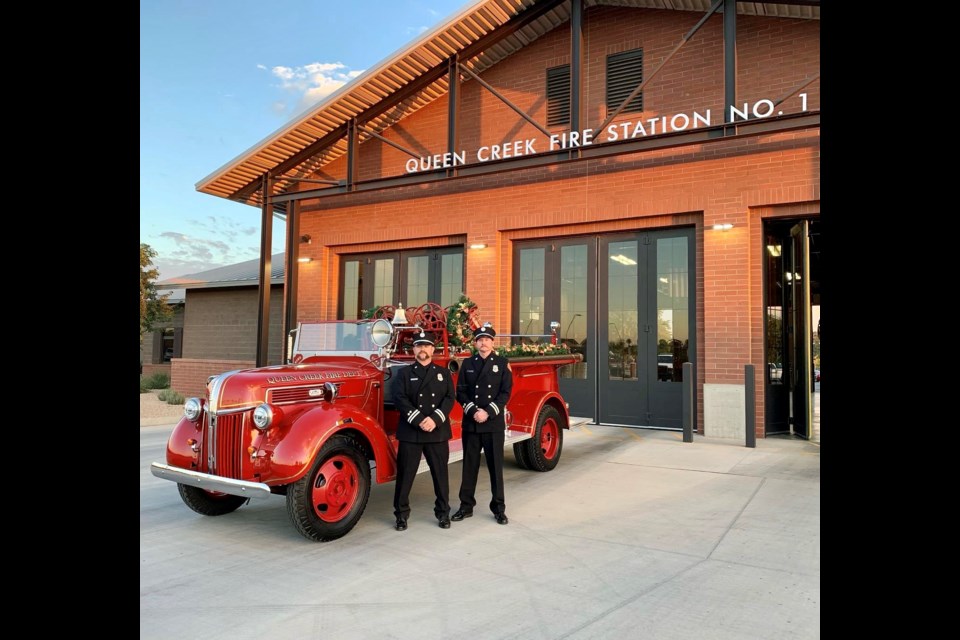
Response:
column 549, row 438
column 335, row 488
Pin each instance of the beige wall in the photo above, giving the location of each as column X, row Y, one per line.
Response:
column 221, row 324
column 147, row 345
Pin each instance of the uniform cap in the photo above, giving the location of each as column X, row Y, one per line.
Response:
column 424, row 338
column 485, row 330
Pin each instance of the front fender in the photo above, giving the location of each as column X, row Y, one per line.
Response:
column 525, row 406
column 297, row 445
column 180, row 452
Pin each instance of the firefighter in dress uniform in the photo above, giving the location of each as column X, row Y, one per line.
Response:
column 483, row 389
column 425, row 397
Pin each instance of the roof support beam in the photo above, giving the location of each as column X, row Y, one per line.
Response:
column 291, row 274
column 683, row 41
column 266, row 241
column 353, row 141
column 505, row 101
column 576, row 61
column 802, row 85
column 729, row 58
column 453, row 107
column 294, row 161
column 374, row 134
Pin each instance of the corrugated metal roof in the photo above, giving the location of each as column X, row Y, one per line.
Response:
column 242, row 274
column 410, row 63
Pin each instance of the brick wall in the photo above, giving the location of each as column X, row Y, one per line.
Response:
column 189, row 375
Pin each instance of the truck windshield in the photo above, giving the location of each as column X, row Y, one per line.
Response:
column 334, row 336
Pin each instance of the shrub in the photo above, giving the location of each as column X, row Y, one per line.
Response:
column 144, row 388
column 158, row 381
column 171, row 397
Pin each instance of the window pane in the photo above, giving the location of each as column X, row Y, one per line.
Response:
column 451, row 278
column 352, row 303
column 673, row 309
column 531, row 290
column 417, row 273
column 622, row 310
column 383, row 283
column 573, row 307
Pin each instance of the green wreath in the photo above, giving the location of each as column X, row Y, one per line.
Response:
column 458, row 322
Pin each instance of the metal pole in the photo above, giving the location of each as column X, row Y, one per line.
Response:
column 729, row 58
column 688, row 401
column 750, row 397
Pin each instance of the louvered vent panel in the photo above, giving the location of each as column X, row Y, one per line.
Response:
column 624, row 74
column 558, row 95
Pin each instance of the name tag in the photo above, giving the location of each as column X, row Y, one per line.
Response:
column 414, row 379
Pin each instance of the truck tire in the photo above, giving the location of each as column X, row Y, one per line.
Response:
column 520, row 453
column 326, row 503
column 209, row 503
column 542, row 452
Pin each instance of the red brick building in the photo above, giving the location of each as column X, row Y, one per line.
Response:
column 647, row 177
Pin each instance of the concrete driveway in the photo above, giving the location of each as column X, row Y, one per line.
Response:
column 634, row 535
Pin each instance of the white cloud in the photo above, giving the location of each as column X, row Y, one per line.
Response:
column 262, row 66
column 312, row 82
column 213, row 241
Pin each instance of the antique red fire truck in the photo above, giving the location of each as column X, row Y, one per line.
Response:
column 318, row 429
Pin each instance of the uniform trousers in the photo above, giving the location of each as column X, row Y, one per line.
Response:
column 492, row 445
column 408, row 461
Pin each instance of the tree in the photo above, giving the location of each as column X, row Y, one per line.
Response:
column 153, row 307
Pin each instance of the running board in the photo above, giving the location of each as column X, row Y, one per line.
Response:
column 511, row 437
column 456, row 447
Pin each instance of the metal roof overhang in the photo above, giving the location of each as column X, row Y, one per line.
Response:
column 480, row 36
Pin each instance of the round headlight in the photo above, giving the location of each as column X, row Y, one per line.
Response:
column 263, row 416
column 191, row 409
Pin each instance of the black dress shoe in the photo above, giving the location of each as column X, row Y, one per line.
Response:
column 502, row 518
column 444, row 523
column 401, row 525
column 461, row 514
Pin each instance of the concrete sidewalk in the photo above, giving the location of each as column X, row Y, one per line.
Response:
column 634, row 535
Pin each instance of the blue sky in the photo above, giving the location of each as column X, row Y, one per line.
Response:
column 217, row 77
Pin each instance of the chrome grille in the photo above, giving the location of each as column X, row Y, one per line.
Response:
column 225, row 444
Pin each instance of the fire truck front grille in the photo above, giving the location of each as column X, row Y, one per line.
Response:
column 226, row 446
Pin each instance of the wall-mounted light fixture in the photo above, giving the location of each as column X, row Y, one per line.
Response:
column 478, row 245
column 726, row 226
column 305, row 239
column 305, row 259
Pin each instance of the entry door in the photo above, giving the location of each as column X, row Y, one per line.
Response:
column 645, row 326
column 556, row 281
column 799, row 340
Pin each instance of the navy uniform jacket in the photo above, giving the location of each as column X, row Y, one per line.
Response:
column 421, row 393
column 484, row 384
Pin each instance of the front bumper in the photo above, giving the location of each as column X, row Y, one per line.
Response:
column 208, row 482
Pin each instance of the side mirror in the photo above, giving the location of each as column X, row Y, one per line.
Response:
column 381, row 332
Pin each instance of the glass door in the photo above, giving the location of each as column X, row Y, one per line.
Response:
column 556, row 281
column 646, row 322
